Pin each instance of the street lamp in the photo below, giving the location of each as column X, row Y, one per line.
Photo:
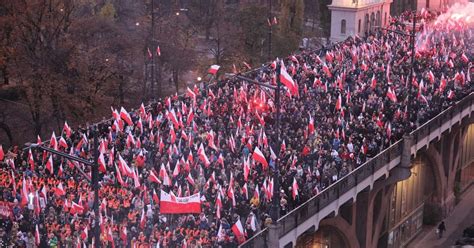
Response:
column 95, row 175
column 275, row 210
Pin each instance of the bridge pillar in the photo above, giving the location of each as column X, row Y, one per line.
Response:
column 273, row 236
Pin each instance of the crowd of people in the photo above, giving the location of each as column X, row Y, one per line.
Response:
column 349, row 103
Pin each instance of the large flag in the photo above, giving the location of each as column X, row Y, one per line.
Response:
column 259, row 157
column 238, row 230
column 170, row 204
column 287, row 80
column 213, row 70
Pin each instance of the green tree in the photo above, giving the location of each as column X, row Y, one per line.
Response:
column 290, row 27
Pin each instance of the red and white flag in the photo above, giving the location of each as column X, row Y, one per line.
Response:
column 294, row 188
column 153, row 178
column 259, row 157
column 287, row 80
column 339, row 102
column 24, row 193
column 67, row 130
column 126, row 116
column 238, row 231
column 311, row 124
column 213, row 70
column 59, row 190
column 101, row 162
column 391, row 95
column 170, row 204
column 37, row 235
column 49, row 165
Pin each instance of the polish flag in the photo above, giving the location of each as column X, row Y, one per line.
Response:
column 101, row 162
column 326, row 70
column 294, row 189
column 76, row 208
column 450, row 94
column 37, row 235
column 245, row 191
column 389, row 130
column 431, row 77
column 373, row 82
column 31, row 161
column 124, row 168
column 153, row 178
column 190, row 117
column 172, row 117
column 170, row 204
column 218, row 206
column 442, row 84
column 246, row 169
column 172, row 135
column 59, row 191
column 191, row 94
column 176, row 170
column 24, row 193
column 238, row 230
column 164, row 176
column 85, row 233
column 258, row 156
column 213, row 70
column 339, row 102
column 49, row 164
column 126, row 116
column 190, row 179
column 53, row 142
column 2, row 154
column 391, row 95
column 143, row 219
column 220, row 160
column 123, row 233
column 156, row 199
column 287, row 80
column 311, row 124
column 67, row 130
column 118, row 175
column 202, row 156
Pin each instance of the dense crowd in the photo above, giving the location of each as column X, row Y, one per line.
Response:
column 350, row 103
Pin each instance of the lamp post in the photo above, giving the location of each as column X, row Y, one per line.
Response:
column 270, row 24
column 94, row 180
column 275, row 208
column 403, row 171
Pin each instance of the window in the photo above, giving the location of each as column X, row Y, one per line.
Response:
column 343, row 26
column 358, row 28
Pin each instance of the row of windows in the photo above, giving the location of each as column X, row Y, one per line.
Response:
column 375, row 21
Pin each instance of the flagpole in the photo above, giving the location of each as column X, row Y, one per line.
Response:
column 152, row 49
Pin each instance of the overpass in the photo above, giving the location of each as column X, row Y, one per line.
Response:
column 358, row 207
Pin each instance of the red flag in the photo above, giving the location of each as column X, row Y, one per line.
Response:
column 143, row 219
column 311, row 124
column 373, row 82
column 101, row 162
column 156, row 199
column 2, row 154
column 339, row 102
column 63, row 143
column 24, row 193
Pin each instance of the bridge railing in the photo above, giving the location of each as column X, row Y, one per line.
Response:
column 334, row 191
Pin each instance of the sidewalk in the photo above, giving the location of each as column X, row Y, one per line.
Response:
column 456, row 222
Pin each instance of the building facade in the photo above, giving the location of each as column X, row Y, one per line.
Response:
column 357, row 17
